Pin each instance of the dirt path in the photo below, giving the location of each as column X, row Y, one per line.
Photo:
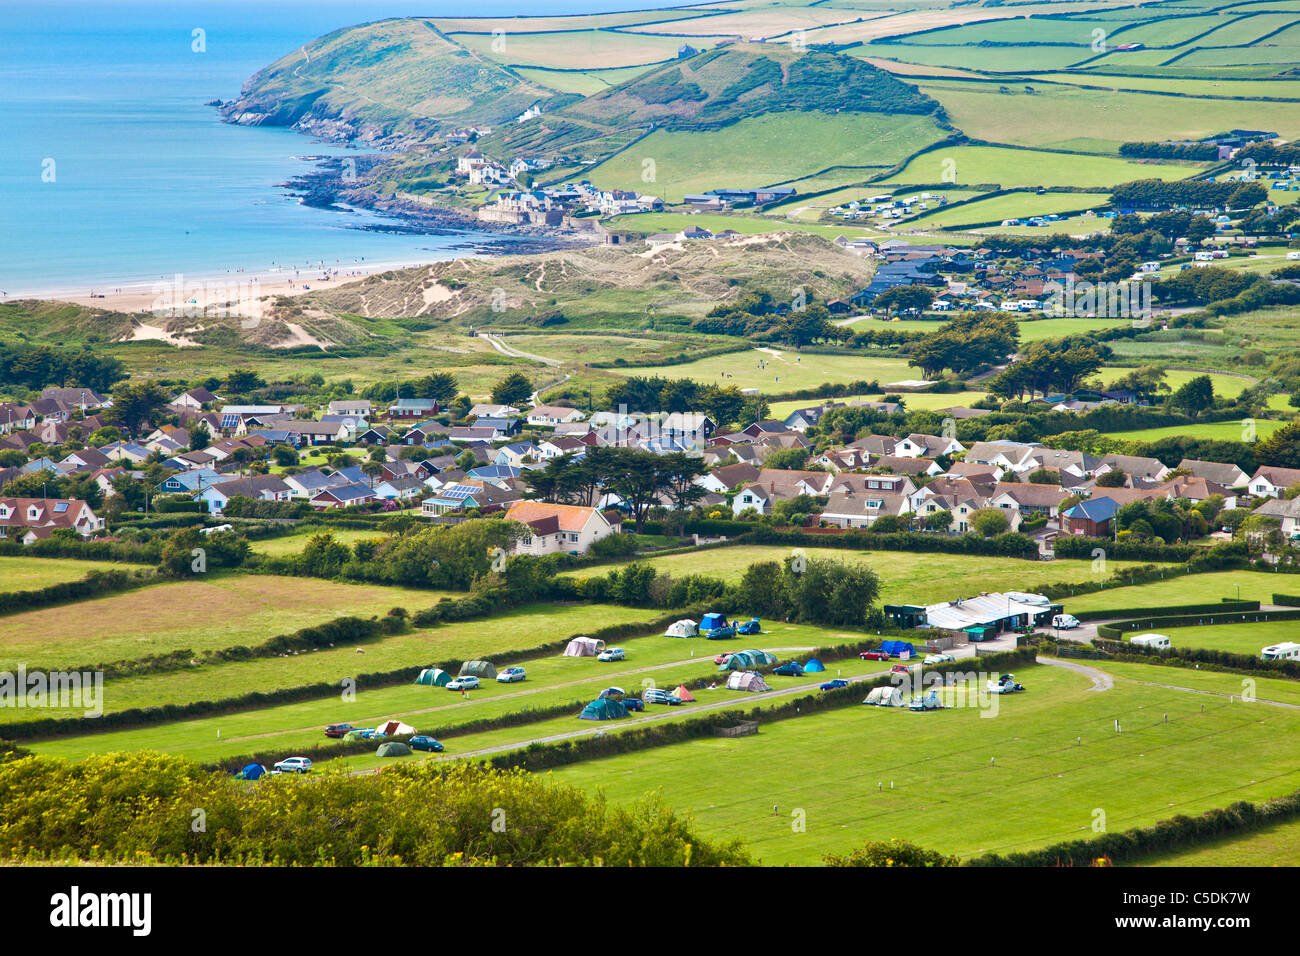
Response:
column 513, row 352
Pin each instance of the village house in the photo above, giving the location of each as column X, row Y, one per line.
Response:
column 850, row 509
column 551, row 415
column 554, row 529
column 33, row 519
column 256, row 487
column 1222, row 473
column 1270, row 482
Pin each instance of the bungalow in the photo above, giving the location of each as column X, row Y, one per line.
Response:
column 501, row 427
column 1287, row 511
column 516, row 454
column 342, row 496
column 554, row 529
column 400, row 488
column 693, row 428
column 194, row 398
column 232, row 416
column 85, row 459
column 907, row 466
column 492, row 411
column 15, row 417
column 257, row 487
column 557, row 447
column 31, row 519
column 727, row 478
column 918, row 445
column 1093, row 517
column 319, row 433
column 468, row 494
column 1222, row 473
column 360, row 407
column 305, row 485
column 189, row 481
column 424, row 432
column 376, row 435
column 1135, row 466
column 551, row 415
column 471, row 435
column 802, row 419
column 1026, row 500
column 1270, row 482
column 412, row 408
column 853, row 510
column 126, row 451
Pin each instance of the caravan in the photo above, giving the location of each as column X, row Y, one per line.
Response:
column 1281, row 652
column 1158, row 641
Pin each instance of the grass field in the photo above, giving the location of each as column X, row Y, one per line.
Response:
column 652, row 661
column 776, row 146
column 1278, row 845
column 787, row 372
column 220, row 611
column 862, row 773
column 1009, row 168
column 294, row 543
column 911, row 401
column 1016, row 205
column 651, row 222
column 29, row 574
column 1186, row 589
column 1219, row 431
column 1244, row 638
column 906, row 578
column 517, row 629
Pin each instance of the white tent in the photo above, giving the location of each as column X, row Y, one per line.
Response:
column 885, row 697
column 682, row 628
column 747, row 680
column 394, row 728
column 584, row 647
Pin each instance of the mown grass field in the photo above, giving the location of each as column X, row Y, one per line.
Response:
column 1278, row 845
column 979, row 165
column 966, row 785
column 652, row 661
column 906, row 577
column 1186, row 589
column 788, row 371
column 911, row 401
column 208, row 614
column 294, row 543
column 1218, row 431
column 1017, row 205
column 1243, row 638
column 776, row 147
column 517, row 629
column 27, row 574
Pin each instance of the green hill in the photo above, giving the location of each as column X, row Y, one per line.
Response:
column 393, row 80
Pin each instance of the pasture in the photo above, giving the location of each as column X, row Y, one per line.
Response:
column 785, row 370
column 1243, row 638
column 1185, row 589
column 1037, row 770
column 905, row 577
column 1009, row 168
column 1218, row 431
column 29, row 574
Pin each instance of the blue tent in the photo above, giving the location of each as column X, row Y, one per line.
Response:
column 813, row 666
column 254, row 771
column 713, row 620
column 896, row 648
column 604, row 709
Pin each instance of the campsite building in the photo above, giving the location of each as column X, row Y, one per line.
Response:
column 980, row 617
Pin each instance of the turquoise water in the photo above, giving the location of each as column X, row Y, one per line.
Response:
column 114, row 173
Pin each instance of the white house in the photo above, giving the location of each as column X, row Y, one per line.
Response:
column 555, row 529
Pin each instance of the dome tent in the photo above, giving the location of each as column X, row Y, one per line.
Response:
column 684, row 695
column 433, row 677
column 353, row 735
column 888, row 696
column 603, row 709
column 813, row 666
column 480, row 669
column 583, row 647
column 747, row 660
column 253, row 771
column 682, row 628
column 393, row 748
column 747, row 680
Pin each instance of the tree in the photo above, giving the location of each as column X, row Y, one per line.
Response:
column 200, row 437
column 243, row 380
column 1195, row 396
column 1115, row 478
column 133, row 405
column 1146, row 382
column 678, row 473
column 904, row 298
column 514, row 389
column 1282, row 448
column 989, row 522
column 372, row 469
column 324, row 556
column 940, row 520
column 638, row 481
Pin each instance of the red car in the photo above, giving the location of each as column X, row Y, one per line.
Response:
column 338, row 730
column 722, row 658
column 899, row 669
column 873, row 655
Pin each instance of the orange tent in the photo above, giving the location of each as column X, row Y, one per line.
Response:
column 681, row 693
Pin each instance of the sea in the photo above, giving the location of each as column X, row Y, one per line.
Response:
column 114, row 174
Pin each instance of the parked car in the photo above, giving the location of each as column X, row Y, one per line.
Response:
column 1006, row 684
column 294, row 765
column 656, row 695
column 792, row 669
column 722, row 658
column 423, row 742
column 900, row 669
column 464, row 683
column 1065, row 621
column 512, row 675
column 634, row 703
column 873, row 655
column 612, row 654
column 835, row 684
column 939, row 659
column 338, row 730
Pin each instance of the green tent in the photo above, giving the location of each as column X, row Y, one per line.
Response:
column 480, row 669
column 747, row 660
column 603, row 709
column 433, row 677
column 352, row 735
column 393, row 748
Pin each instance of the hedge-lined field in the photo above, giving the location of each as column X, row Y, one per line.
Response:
column 210, row 613
column 1240, row 638
column 1042, row 788
column 551, row 680
column 905, row 577
column 29, row 574
column 1185, row 589
column 1277, row 845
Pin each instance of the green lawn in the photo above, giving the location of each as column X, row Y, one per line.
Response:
column 910, row 578
column 776, row 147
column 294, row 543
column 1219, row 431
column 961, row 784
column 652, row 661
column 516, row 629
column 29, row 574
column 1244, row 638
column 911, row 401
column 1016, row 205
column 1186, row 589
column 787, row 371
column 223, row 610
column 975, row 165
column 1278, row 845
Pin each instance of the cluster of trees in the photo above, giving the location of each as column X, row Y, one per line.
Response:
column 438, row 386
column 38, row 366
column 1150, row 150
column 816, row 590
column 723, row 403
column 1202, row 286
column 758, row 315
column 1270, row 154
column 139, row 807
column 1159, row 194
column 1171, row 225
column 639, row 478
column 971, row 341
column 906, row 298
column 1048, row 368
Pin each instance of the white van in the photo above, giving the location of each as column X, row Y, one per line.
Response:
column 1065, row 622
column 1281, row 652
column 1151, row 640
